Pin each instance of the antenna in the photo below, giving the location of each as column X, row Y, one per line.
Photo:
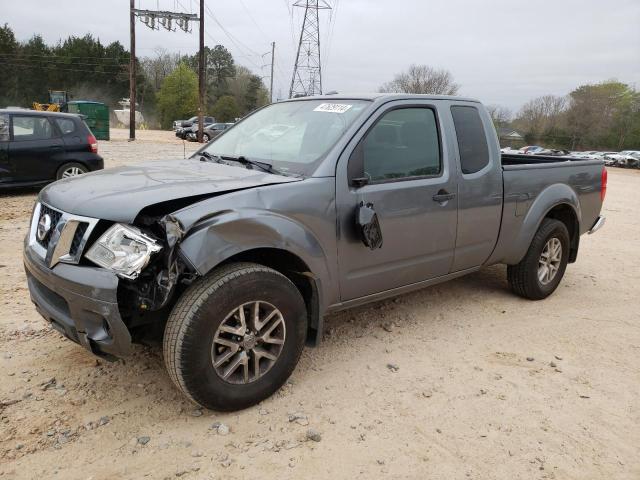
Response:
column 307, row 72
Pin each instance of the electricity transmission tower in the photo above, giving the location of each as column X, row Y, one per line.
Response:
column 307, row 72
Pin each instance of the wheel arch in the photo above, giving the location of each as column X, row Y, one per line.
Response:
column 565, row 213
column 266, row 239
column 558, row 201
column 296, row 270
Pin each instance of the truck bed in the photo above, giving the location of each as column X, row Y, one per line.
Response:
column 532, row 185
column 515, row 159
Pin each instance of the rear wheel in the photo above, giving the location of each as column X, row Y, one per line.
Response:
column 234, row 337
column 206, row 137
column 71, row 169
column 541, row 270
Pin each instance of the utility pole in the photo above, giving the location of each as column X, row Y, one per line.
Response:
column 307, row 71
column 273, row 58
column 201, row 76
column 132, row 73
column 154, row 19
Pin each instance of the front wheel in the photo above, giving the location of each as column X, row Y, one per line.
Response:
column 235, row 336
column 540, row 271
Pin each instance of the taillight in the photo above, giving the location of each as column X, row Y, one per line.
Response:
column 603, row 184
column 93, row 143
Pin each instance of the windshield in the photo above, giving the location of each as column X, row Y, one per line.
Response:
column 292, row 136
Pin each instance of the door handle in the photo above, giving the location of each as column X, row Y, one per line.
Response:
column 443, row 196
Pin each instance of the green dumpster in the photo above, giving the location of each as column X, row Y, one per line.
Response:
column 96, row 116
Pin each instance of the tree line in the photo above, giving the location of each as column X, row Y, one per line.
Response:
column 601, row 116
column 166, row 84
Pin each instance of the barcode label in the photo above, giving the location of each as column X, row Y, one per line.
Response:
column 332, row 107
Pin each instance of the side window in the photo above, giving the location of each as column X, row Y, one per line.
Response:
column 472, row 140
column 403, row 143
column 31, row 128
column 65, row 125
column 4, row 127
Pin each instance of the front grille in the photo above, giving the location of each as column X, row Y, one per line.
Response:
column 55, row 216
column 65, row 239
column 77, row 238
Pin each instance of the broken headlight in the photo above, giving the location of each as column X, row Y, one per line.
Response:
column 124, row 249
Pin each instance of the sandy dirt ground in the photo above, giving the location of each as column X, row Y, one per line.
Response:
column 462, row 380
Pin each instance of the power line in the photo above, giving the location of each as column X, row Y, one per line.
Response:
column 231, row 37
column 331, row 29
column 60, row 56
column 44, row 61
column 266, row 37
column 239, row 45
column 96, row 72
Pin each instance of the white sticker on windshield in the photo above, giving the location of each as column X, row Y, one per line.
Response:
column 332, row 107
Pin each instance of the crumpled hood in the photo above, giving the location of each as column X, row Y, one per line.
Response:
column 119, row 194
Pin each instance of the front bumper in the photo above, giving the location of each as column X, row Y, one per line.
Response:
column 80, row 302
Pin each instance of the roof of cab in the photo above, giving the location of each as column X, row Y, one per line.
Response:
column 385, row 97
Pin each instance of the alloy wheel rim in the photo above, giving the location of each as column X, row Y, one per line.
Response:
column 72, row 172
column 549, row 261
column 248, row 342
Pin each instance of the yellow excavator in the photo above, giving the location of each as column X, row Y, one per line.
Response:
column 57, row 98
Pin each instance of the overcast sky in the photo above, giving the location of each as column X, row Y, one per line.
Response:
column 501, row 51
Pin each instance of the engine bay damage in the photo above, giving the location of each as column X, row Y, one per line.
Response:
column 145, row 299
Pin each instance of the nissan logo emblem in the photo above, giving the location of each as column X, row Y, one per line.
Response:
column 44, row 225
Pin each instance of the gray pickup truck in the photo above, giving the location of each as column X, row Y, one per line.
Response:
column 305, row 207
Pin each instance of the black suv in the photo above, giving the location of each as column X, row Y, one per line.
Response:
column 40, row 147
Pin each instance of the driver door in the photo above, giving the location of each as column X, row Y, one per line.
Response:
column 400, row 168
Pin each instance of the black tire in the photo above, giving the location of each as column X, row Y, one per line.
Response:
column 68, row 166
column 205, row 138
column 523, row 277
column 194, row 320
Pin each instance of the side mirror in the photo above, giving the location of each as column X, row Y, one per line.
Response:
column 369, row 226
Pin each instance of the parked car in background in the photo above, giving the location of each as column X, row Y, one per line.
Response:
column 600, row 155
column 626, row 158
column 509, row 150
column 586, row 154
column 530, row 149
column 40, row 147
column 178, row 124
column 185, row 132
column 194, row 120
column 210, row 132
column 552, row 152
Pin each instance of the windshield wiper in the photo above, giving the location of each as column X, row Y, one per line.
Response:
column 267, row 167
column 208, row 156
column 264, row 166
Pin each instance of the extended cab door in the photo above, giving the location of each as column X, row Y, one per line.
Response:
column 34, row 148
column 480, row 189
column 398, row 167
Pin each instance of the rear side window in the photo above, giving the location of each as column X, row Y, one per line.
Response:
column 65, row 125
column 31, row 128
column 472, row 140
